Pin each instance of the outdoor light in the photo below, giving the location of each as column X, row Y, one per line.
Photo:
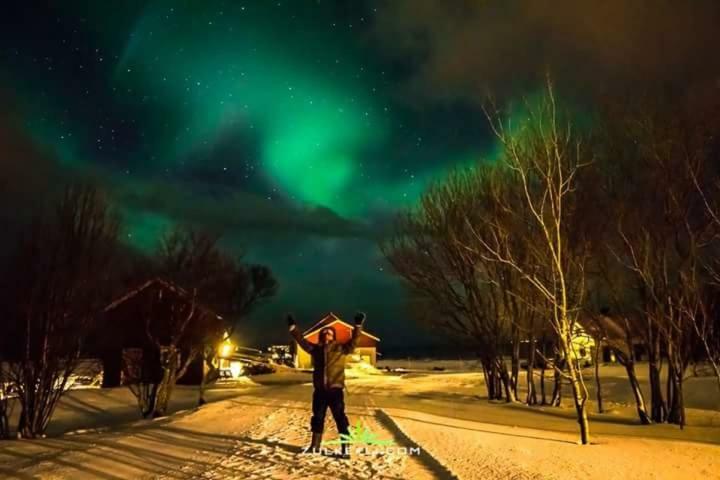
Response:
column 226, row 349
column 236, row 369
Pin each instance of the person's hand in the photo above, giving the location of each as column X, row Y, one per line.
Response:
column 290, row 320
column 359, row 318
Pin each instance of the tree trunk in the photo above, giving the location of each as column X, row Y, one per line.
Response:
column 22, row 421
column 531, row 394
column 658, row 408
column 506, row 380
column 148, row 399
column 716, row 369
column 498, row 384
column 210, row 374
column 560, row 364
column 4, row 420
column 201, row 390
column 164, row 391
column 488, row 373
column 637, row 393
column 676, row 404
column 598, row 384
column 4, row 409
column 670, row 393
column 678, row 410
column 515, row 363
column 580, row 399
column 495, row 380
column 542, row 373
column 579, row 390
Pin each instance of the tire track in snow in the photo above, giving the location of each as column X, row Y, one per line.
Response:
column 448, row 445
column 422, row 466
column 272, row 448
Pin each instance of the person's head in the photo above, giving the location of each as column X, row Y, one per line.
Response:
column 327, row 335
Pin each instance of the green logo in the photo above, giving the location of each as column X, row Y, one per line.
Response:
column 359, row 434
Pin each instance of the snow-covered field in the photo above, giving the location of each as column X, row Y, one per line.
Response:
column 258, row 431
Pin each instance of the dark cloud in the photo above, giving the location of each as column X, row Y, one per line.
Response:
column 224, row 209
column 464, row 47
column 28, row 173
column 99, row 98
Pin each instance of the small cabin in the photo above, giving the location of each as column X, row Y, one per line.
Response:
column 155, row 308
column 366, row 350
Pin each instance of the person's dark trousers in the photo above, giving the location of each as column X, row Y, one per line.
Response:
column 334, row 399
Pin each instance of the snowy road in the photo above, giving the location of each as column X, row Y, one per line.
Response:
column 272, row 448
column 245, row 438
column 260, row 433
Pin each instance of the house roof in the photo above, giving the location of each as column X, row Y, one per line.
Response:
column 164, row 284
column 613, row 328
column 331, row 319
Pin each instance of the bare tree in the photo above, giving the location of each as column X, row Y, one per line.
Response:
column 194, row 260
column 702, row 310
column 612, row 310
column 544, row 157
column 5, row 402
column 620, row 336
column 252, row 286
column 60, row 271
column 470, row 303
column 598, row 383
column 655, row 154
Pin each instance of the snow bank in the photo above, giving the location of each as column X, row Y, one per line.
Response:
column 429, row 364
column 97, row 409
column 360, row 369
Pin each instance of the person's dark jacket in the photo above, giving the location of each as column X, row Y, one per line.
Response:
column 329, row 359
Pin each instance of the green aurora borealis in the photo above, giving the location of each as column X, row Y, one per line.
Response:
column 313, row 118
column 296, row 128
column 280, row 125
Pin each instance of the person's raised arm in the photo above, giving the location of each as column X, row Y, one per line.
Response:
column 295, row 333
column 350, row 345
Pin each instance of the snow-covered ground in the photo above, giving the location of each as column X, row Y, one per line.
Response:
column 474, row 450
column 250, row 436
column 459, row 392
column 258, row 431
column 96, row 408
column 425, row 364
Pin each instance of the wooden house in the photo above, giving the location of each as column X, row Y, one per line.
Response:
column 366, row 350
column 158, row 309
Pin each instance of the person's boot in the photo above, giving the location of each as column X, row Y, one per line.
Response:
column 316, row 442
column 345, row 451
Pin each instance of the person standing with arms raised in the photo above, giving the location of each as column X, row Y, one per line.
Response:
column 328, row 358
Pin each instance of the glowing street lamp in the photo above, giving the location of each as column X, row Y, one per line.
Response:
column 226, row 349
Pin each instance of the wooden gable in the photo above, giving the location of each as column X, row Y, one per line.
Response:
column 343, row 331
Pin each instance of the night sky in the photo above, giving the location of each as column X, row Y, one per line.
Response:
column 299, row 128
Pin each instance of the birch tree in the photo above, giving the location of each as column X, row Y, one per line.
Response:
column 544, row 157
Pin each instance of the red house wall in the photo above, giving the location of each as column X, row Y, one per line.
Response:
column 343, row 335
